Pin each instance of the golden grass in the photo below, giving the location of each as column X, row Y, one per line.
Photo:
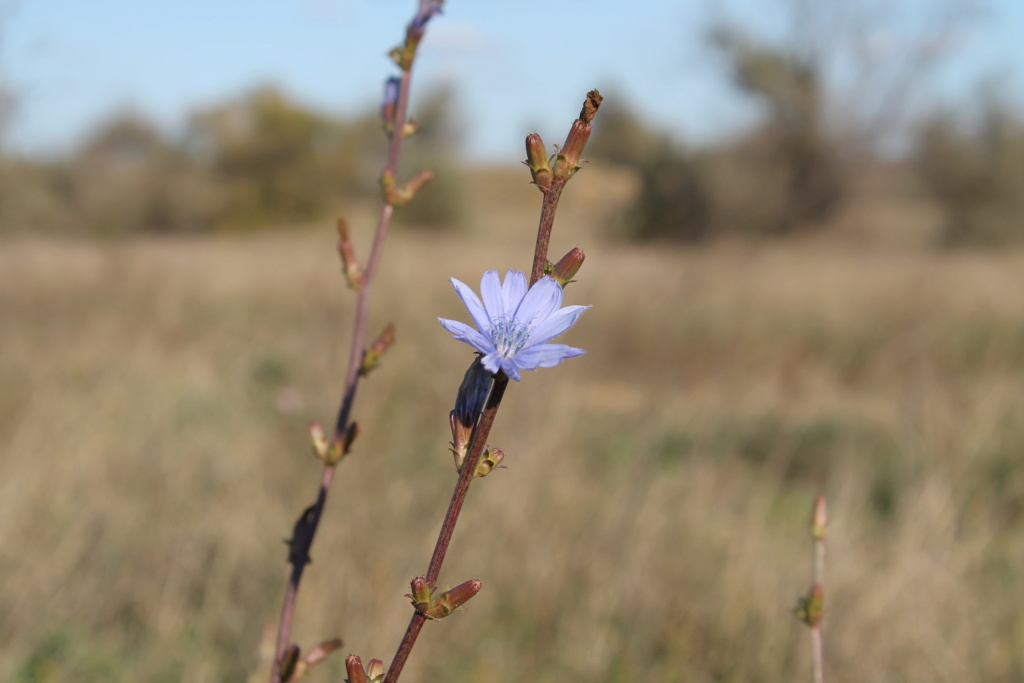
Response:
column 652, row 524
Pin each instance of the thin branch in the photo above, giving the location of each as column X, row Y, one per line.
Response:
column 301, row 543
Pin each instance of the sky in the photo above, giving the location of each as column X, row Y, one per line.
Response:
column 516, row 67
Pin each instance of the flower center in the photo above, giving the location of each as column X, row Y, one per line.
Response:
column 508, row 335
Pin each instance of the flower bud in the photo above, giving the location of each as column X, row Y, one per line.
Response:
column 568, row 160
column 567, row 267
column 289, row 661
column 819, row 518
column 414, row 33
column 490, row 459
column 389, row 103
column 320, row 653
column 810, row 609
column 452, row 599
column 420, row 594
column 537, row 160
column 397, row 195
column 371, row 358
column 319, row 439
column 375, row 670
column 461, row 434
column 349, row 264
column 354, row 668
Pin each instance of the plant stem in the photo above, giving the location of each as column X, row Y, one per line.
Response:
column 480, row 433
column 547, row 222
column 817, row 647
column 299, row 555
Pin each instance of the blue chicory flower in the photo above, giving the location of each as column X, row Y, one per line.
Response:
column 513, row 324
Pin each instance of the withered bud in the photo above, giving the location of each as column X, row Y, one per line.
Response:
column 565, row 270
column 538, row 162
column 476, row 384
column 819, row 518
column 489, row 460
column 354, row 668
column 590, row 106
column 375, row 670
column 371, row 357
column 349, row 264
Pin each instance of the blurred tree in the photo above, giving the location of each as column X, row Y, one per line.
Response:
column 674, row 200
column 838, row 82
column 276, row 161
column 790, row 146
column 976, row 174
column 126, row 178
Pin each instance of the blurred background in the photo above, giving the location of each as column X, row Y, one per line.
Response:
column 804, row 231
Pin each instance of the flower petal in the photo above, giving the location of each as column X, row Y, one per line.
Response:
column 472, row 303
column 510, row 367
column 557, row 323
column 490, row 291
column 540, row 302
column 491, row 362
column 465, row 333
column 513, row 290
column 546, row 356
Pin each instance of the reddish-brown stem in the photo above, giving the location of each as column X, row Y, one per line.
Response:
column 301, row 546
column 481, row 431
column 547, row 221
column 444, row 538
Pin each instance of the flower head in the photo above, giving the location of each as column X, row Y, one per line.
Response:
column 513, row 323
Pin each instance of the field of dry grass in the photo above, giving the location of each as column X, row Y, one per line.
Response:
column 154, row 397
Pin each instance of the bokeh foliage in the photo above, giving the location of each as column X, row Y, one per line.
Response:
column 259, row 160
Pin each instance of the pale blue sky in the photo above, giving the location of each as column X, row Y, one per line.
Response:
column 517, row 66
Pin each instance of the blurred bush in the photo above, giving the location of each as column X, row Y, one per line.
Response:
column 781, row 177
column 127, row 177
column 975, row 173
column 259, row 160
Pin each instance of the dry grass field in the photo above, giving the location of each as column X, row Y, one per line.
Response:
column 652, row 524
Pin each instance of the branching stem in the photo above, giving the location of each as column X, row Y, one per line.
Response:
column 299, row 555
